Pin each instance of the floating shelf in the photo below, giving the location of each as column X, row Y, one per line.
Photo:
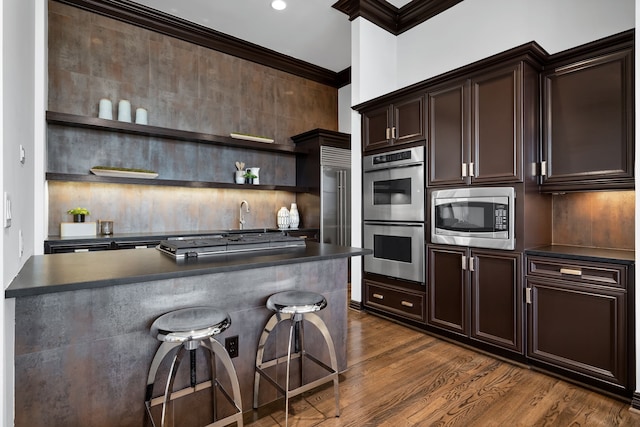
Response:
column 160, row 132
column 53, row 176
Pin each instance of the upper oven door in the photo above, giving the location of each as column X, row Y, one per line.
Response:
column 393, row 191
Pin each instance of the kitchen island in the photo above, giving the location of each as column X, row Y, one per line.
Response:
column 82, row 342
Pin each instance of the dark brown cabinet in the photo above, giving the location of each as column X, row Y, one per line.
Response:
column 399, row 123
column 476, row 127
column 577, row 318
column 477, row 293
column 588, row 122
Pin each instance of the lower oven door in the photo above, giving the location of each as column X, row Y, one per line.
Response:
column 398, row 249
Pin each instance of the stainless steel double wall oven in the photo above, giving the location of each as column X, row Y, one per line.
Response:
column 393, row 213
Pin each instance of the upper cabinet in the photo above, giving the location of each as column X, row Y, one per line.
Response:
column 477, row 129
column 588, row 140
column 397, row 123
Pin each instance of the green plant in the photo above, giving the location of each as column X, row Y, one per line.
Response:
column 249, row 175
column 78, row 211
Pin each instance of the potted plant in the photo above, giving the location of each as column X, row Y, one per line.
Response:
column 78, row 214
column 248, row 176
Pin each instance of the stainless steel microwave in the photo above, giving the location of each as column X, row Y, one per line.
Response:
column 482, row 217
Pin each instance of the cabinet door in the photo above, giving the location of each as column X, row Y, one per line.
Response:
column 408, row 121
column 579, row 328
column 448, row 133
column 496, row 298
column 588, row 122
column 496, row 141
column 446, row 291
column 376, row 125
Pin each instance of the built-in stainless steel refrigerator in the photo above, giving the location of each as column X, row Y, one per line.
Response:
column 335, row 198
column 325, row 169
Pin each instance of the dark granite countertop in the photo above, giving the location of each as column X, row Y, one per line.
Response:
column 581, row 253
column 75, row 271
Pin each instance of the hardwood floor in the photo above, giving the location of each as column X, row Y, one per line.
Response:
column 401, row 377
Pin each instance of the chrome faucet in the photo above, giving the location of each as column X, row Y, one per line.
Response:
column 242, row 220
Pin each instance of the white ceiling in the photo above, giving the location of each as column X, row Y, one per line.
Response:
column 309, row 30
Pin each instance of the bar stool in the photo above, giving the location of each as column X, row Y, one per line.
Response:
column 296, row 306
column 188, row 329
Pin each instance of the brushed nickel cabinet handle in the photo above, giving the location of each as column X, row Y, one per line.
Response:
column 464, row 170
column 471, row 171
column 388, row 135
column 407, row 303
column 378, row 296
column 393, row 132
column 528, row 298
column 571, row 271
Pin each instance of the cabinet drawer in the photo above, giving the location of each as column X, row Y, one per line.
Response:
column 578, row 271
column 395, row 301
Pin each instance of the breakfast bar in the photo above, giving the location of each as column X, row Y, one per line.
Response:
column 82, row 342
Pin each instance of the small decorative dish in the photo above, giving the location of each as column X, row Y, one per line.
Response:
column 251, row 137
column 123, row 172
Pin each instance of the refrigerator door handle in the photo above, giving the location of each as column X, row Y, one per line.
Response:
column 341, row 207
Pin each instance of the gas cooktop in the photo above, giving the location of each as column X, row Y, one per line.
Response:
column 228, row 243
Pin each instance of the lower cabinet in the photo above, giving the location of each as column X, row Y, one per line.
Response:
column 476, row 293
column 403, row 301
column 577, row 318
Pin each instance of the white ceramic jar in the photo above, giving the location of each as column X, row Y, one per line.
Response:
column 283, row 218
column 294, row 216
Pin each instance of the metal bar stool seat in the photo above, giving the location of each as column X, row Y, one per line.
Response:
column 190, row 328
column 296, row 307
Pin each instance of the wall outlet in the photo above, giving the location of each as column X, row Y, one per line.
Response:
column 231, row 344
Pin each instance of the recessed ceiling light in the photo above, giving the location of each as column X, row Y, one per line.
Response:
column 278, row 4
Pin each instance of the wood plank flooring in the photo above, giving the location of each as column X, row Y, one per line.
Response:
column 401, row 377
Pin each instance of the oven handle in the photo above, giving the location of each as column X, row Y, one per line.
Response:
column 394, row 224
column 412, row 165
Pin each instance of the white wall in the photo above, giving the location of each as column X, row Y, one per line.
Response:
column 22, row 106
column 475, row 29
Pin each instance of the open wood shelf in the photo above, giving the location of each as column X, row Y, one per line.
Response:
column 160, row 132
column 53, row 176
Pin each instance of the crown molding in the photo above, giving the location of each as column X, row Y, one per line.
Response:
column 154, row 20
column 379, row 12
column 390, row 18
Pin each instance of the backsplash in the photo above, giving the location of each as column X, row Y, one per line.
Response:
column 182, row 86
column 603, row 219
column 152, row 208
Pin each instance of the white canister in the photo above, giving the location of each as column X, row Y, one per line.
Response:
column 105, row 109
column 283, row 218
column 124, row 111
column 294, row 216
column 141, row 116
column 256, row 172
column 240, row 177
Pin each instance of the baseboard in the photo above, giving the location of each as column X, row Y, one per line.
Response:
column 355, row 305
column 635, row 401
